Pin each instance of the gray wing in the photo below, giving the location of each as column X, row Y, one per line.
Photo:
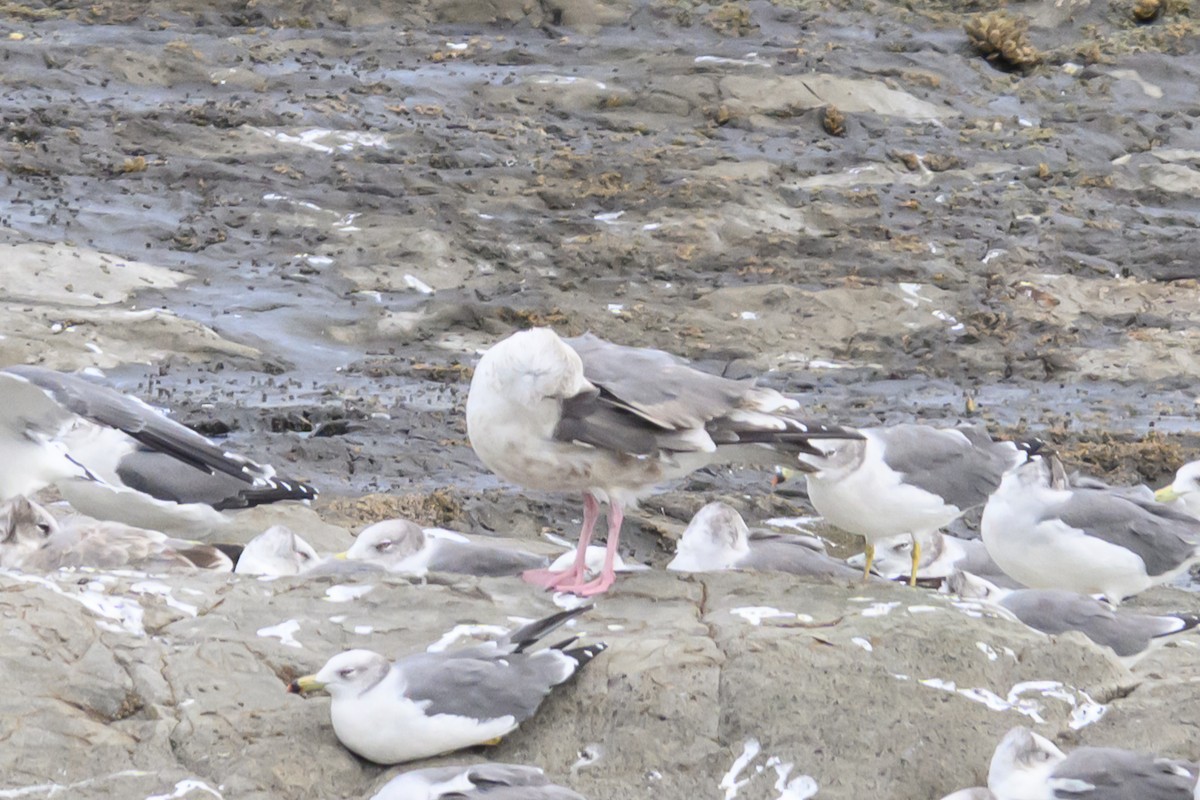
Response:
column 961, row 465
column 656, row 386
column 1117, row 774
column 1056, row 611
column 483, row 560
column 468, row 685
column 512, row 782
column 1163, row 538
column 798, row 539
column 490, row 791
column 173, row 462
column 647, row 401
column 782, row 556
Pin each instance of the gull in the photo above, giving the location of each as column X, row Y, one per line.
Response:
column 1054, row 611
column 114, row 457
column 1092, row 539
column 612, row 422
column 906, row 479
column 717, row 539
column 432, row 703
column 1184, row 490
column 974, row 793
column 277, row 552
column 33, row 542
column 941, row 555
column 475, row 782
column 1026, row 766
column 400, row 545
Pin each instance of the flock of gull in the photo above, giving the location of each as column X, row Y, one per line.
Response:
column 610, row 423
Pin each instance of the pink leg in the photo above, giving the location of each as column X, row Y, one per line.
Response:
column 549, row 578
column 608, row 575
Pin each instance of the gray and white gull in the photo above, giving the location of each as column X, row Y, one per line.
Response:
column 432, row 703
column 612, row 422
column 1055, row 611
column 717, row 538
column 33, row 541
column 403, row 546
column 906, row 479
column 475, row 782
column 1026, row 766
column 114, row 457
column 1093, row 539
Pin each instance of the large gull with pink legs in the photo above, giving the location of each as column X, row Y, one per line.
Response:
column 612, row 422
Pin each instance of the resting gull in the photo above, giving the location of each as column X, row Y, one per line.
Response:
column 1184, row 490
column 941, row 555
column 475, row 782
column 277, row 552
column 1026, row 766
column 1055, row 611
column 114, row 457
column 906, row 479
column 1091, row 539
column 612, row 422
column 432, row 703
column 974, row 793
column 34, row 543
column 717, row 539
column 399, row 545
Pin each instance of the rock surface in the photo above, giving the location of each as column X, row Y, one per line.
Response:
column 296, row 224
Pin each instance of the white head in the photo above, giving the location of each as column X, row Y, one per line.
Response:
column 388, row 543
column 347, row 674
column 716, row 538
column 24, row 528
column 275, row 552
column 528, row 375
column 1021, row 766
column 893, row 557
column 972, row 587
column 1185, row 489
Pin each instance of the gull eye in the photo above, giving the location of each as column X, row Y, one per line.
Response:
column 303, row 555
column 44, row 527
column 384, row 546
column 347, row 672
column 905, row 547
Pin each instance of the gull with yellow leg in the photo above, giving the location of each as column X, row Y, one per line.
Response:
column 906, row 479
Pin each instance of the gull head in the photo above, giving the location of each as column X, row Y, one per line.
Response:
column 276, row 551
column 1040, row 471
column 972, row 587
column 528, row 369
column 388, row 543
column 347, row 674
column 24, row 527
column 1022, row 764
column 716, row 537
column 1187, row 481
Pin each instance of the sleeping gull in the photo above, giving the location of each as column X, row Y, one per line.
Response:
column 475, row 782
column 974, row 793
column 906, row 479
column 78, row 542
column 433, row 703
column 941, row 555
column 399, row 545
column 1055, row 611
column 114, row 457
column 1184, row 490
column 612, row 422
column 276, row 552
column 1090, row 539
column 717, row 539
column 1026, row 766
